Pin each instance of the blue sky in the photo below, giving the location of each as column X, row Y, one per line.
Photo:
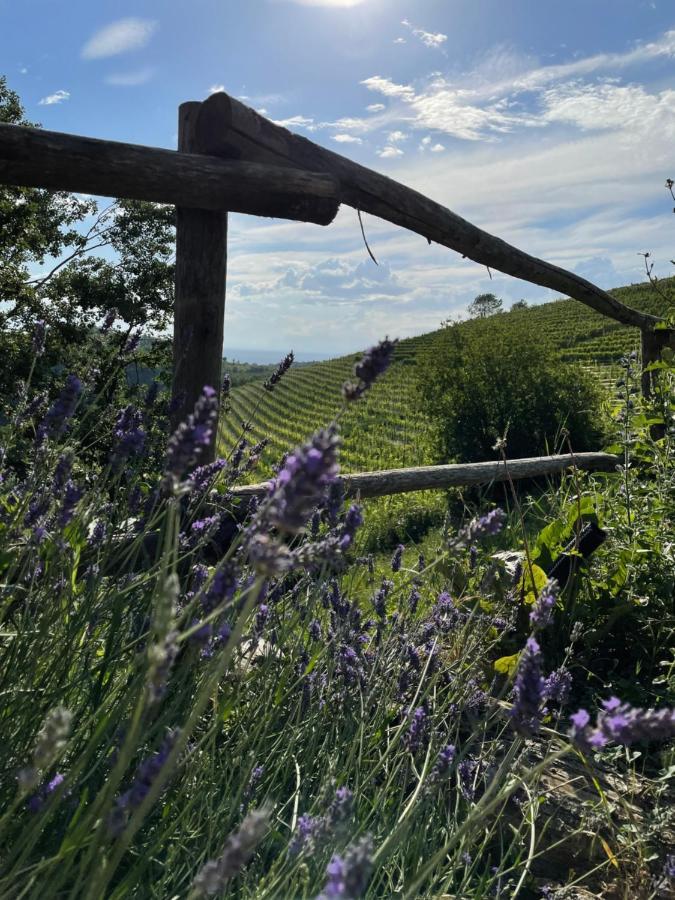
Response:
column 550, row 124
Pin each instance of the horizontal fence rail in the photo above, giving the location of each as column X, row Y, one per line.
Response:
column 48, row 159
column 424, row 478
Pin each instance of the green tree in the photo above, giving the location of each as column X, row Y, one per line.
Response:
column 483, row 381
column 40, row 228
column 484, row 305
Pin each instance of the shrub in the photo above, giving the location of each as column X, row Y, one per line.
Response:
column 487, row 379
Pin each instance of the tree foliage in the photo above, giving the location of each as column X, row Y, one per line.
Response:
column 487, row 381
column 484, row 305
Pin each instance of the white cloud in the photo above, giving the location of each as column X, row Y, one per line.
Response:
column 388, row 87
column 390, row 152
column 119, row 37
column 294, row 122
column 217, row 88
column 56, row 97
column 428, row 38
column 23, row 70
column 395, row 136
column 131, row 79
column 399, row 40
column 437, row 148
column 376, row 107
column 346, row 139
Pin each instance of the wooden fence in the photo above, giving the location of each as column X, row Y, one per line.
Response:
column 230, row 158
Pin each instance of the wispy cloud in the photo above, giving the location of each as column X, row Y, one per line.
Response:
column 428, row 38
column 216, row 88
column 130, row 79
column 119, row 37
column 56, row 97
column 389, row 152
column 375, row 107
column 389, row 88
column 295, row 122
column 347, row 139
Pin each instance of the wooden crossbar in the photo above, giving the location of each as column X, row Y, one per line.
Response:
column 424, row 478
column 49, row 159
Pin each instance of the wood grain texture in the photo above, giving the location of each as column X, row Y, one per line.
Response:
column 199, row 309
column 250, row 136
column 32, row 157
column 423, row 478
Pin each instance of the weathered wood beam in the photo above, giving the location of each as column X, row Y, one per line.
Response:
column 424, row 478
column 199, row 307
column 32, row 157
column 252, row 137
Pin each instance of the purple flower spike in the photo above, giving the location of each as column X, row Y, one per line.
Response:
column 192, row 436
column 39, row 333
column 302, row 482
column 486, row 526
column 56, row 419
column 528, row 692
column 397, row 558
column 620, row 723
column 348, row 875
column 279, row 372
column 374, row 363
column 542, row 611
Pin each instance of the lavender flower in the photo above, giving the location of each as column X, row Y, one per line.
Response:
column 57, row 416
column 488, row 525
column 50, row 743
column 302, row 482
column 226, row 386
column 413, row 600
column 71, row 497
column 269, row 557
column 132, row 343
column 417, row 730
column 307, row 830
column 374, row 363
column 239, row 848
column 558, row 685
column 279, row 372
column 466, row 771
column 146, row 775
column 61, row 473
column 315, row 630
column 528, row 692
column 39, row 333
column 444, row 761
column 109, row 320
column 380, row 598
column 397, row 558
column 128, row 434
column 348, row 875
column 621, row 723
column 340, row 809
column 352, row 522
column 38, row 800
column 192, row 436
column 542, row 611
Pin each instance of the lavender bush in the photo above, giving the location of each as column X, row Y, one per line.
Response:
column 202, row 699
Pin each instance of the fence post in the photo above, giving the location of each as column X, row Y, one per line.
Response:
column 199, row 312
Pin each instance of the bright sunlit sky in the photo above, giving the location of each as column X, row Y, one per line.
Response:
column 549, row 123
